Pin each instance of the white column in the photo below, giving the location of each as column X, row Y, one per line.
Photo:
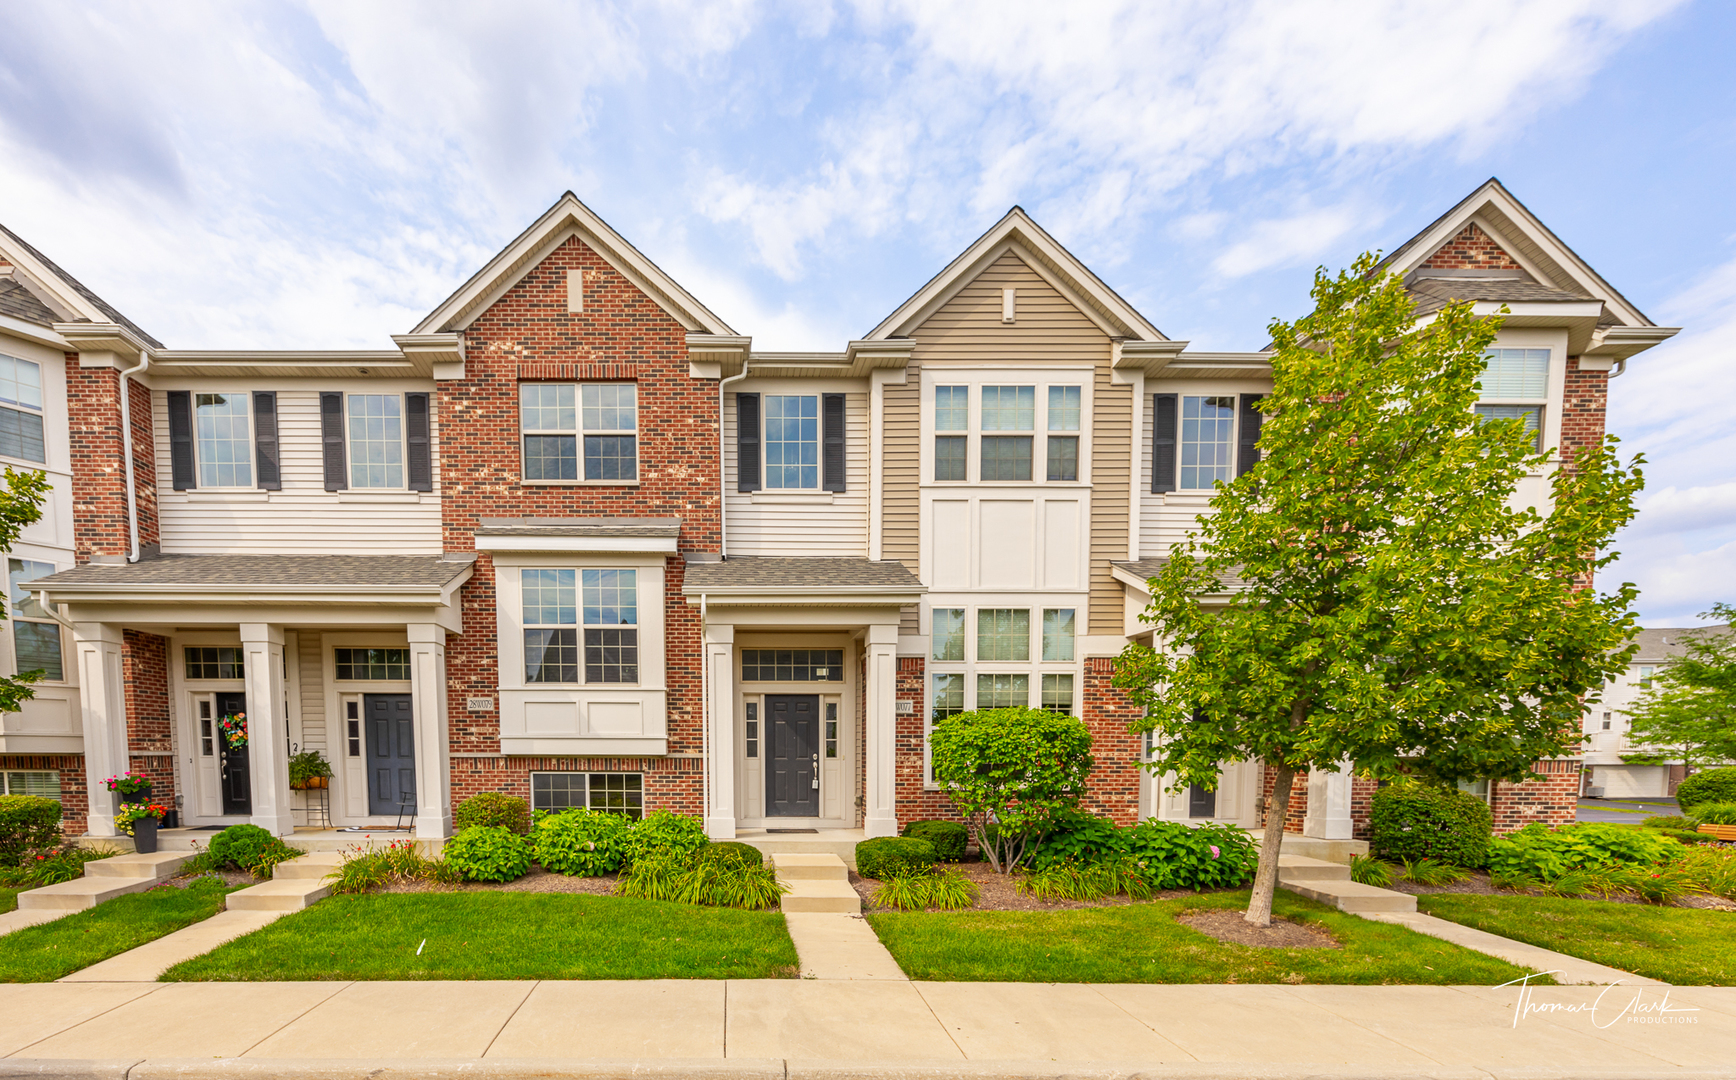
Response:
column 103, row 712
column 267, row 727
column 433, row 741
column 880, row 729
column 720, row 812
column 1328, row 816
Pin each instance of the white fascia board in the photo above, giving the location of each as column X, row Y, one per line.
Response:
column 583, row 746
column 594, row 545
column 1148, row 356
column 50, row 289
column 29, row 331
column 1621, row 342
column 102, row 337
column 243, row 593
column 833, row 596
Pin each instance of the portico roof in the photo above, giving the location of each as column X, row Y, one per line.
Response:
column 245, row 578
column 807, row 580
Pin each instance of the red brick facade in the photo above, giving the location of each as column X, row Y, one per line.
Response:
column 1113, row 789
column 74, row 794
column 150, row 733
column 1472, row 249
column 1551, row 800
column 99, row 502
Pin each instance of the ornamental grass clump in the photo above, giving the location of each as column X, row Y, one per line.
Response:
column 1369, row 870
column 365, row 869
column 940, row 888
column 1716, row 813
column 1427, row 871
column 726, row 881
column 51, row 867
column 581, row 843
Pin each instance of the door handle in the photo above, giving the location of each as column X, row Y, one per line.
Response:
column 816, row 772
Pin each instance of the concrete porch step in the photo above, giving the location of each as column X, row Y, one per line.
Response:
column 1349, row 895
column 793, row 866
column 314, row 865
column 1302, row 868
column 158, row 866
column 1313, row 847
column 839, row 842
column 104, row 879
column 288, row 894
column 817, row 883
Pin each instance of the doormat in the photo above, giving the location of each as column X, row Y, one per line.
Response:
column 791, row 830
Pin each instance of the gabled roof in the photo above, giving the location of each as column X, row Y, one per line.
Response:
column 1046, row 256
column 1546, row 259
column 64, row 291
column 568, row 217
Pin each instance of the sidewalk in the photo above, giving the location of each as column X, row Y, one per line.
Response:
column 881, row 1028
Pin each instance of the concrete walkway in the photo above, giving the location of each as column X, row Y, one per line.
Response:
column 831, row 945
column 1567, row 969
column 779, row 1028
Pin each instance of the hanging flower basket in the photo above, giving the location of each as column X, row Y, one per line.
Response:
column 234, row 728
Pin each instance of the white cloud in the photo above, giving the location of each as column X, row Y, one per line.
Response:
column 1283, row 241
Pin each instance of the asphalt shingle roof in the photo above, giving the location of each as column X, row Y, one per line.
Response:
column 98, row 302
column 21, row 303
column 601, row 527
column 1151, row 567
column 312, row 571
column 815, row 573
column 1433, row 294
column 1667, row 643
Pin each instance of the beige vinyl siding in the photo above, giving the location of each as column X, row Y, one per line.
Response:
column 1047, row 326
column 1111, row 461
column 303, row 518
column 900, row 463
column 312, row 671
column 837, row 528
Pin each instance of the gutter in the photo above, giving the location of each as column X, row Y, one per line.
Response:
column 723, row 473
column 127, row 449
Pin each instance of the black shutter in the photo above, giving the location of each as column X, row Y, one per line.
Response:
column 1163, row 442
column 270, row 473
column 420, row 468
column 747, row 442
column 1247, row 453
column 181, row 439
column 832, row 442
column 331, row 431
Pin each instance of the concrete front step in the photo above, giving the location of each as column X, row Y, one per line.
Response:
column 1312, row 847
column 191, row 840
column 102, row 881
column 1349, row 895
column 817, row 883
column 315, row 865
column 279, row 894
column 839, row 842
column 1301, row 868
column 158, row 866
column 793, row 866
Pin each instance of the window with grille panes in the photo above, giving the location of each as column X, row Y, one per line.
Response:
column 580, row 622
column 1058, row 693
column 792, row 665
column 386, row 665
column 36, row 640
column 223, row 440
column 792, row 441
column 951, row 432
column 580, row 431
column 1003, row 634
column 1207, row 440
column 620, row 793
column 1063, row 449
column 946, row 699
column 21, row 409
column 213, row 662
column 1007, row 409
column 1002, row 691
column 376, row 440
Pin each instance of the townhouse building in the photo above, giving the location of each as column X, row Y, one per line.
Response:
column 575, row 539
column 1608, row 738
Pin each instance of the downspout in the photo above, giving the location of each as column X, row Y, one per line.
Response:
column 722, row 473
column 705, row 706
column 127, row 449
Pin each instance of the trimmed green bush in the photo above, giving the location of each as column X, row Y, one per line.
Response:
column 730, row 854
column 1412, row 820
column 1713, row 785
column 887, row 857
column 495, row 808
column 1715, row 813
column 28, row 824
column 948, row 837
column 664, row 832
column 1172, row 855
column 250, row 848
column 581, row 843
column 1544, row 854
column 488, row 853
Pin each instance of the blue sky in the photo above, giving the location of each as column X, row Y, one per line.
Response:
column 321, row 175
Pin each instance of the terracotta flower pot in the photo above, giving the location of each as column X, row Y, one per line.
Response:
column 318, row 781
column 145, row 835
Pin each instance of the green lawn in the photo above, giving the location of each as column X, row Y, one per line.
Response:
column 51, row 950
column 480, row 935
column 9, row 900
column 1683, row 946
column 1142, row 943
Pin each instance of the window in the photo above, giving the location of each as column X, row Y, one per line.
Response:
column 1008, row 408
column 1003, row 634
column 792, row 441
column 353, row 727
column 611, row 608
column 1207, row 440
column 378, row 664
column 1519, row 380
column 1058, row 693
column 43, row 784
column 222, row 662
column 222, row 435
column 752, row 741
column 376, row 440
column 792, row 665
column 831, row 729
column 1531, row 414
column 948, row 633
column 951, row 413
column 551, row 617
column 1645, row 679
column 207, row 736
column 1063, row 449
column 556, row 418
column 35, row 636
column 1058, row 634
column 948, row 696
column 621, row 793
column 21, row 411
column 552, row 624
column 544, row 409
column 1479, row 788
column 1003, row 691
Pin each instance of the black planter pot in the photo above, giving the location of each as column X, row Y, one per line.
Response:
column 145, row 835
column 138, row 796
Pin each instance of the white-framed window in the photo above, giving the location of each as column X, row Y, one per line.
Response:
column 619, row 792
column 792, row 442
column 580, row 431
column 951, row 415
column 376, row 665
column 213, row 662
column 36, row 640
column 1515, row 386
column 1007, row 409
column 580, row 622
column 1063, row 449
column 999, row 433
column 43, row 784
column 223, row 440
column 1207, row 440
column 376, row 440
column 21, row 410
column 1645, row 676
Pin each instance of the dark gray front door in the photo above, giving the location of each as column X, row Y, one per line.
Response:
column 793, row 771
column 1200, row 802
column 236, row 779
column 391, row 753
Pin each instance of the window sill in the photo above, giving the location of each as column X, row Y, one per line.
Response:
column 381, row 496
column 226, row 495
column 580, row 483
column 792, row 496
column 1010, row 485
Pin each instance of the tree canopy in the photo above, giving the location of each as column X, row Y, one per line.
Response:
column 1376, row 590
column 1689, row 712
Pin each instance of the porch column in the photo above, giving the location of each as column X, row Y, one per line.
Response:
column 1328, row 816
column 880, row 729
column 267, row 727
column 433, row 741
column 720, row 812
column 103, row 714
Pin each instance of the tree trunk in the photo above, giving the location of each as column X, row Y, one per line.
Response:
column 1266, row 877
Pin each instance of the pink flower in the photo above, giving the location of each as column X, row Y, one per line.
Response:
column 1214, row 848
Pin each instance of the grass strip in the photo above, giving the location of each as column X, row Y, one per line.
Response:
column 9, row 900
column 1143, row 943
column 478, row 935
column 1681, row 946
column 53, row 950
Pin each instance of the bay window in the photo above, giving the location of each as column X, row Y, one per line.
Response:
column 580, row 615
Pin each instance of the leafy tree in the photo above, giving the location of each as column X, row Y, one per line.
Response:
column 1395, row 610
column 20, row 506
column 1009, row 772
column 1689, row 713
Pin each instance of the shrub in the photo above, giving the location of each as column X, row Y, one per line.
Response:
column 1177, row 856
column 1714, row 868
column 1015, row 768
column 1368, row 870
column 1537, row 852
column 250, row 848
column 1689, row 836
column 1427, row 871
column 724, row 880
column 581, row 843
column 1668, row 821
column 655, row 875
column 1713, row 785
column 488, row 853
column 28, row 824
column 493, row 808
column 664, row 832
column 366, row 869
column 1086, row 881
column 943, row 888
column 948, row 837
column 887, row 857
column 1715, row 813
column 1412, row 820
column 729, row 853
column 1077, row 837
column 51, row 868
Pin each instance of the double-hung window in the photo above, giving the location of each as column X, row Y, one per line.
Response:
column 222, row 434
column 580, row 431
column 1007, row 409
column 35, row 636
column 1000, row 658
column 1063, row 448
column 21, row 409
column 951, row 414
column 792, row 446
column 1207, row 440
column 1514, row 386
column 376, row 439
column 580, row 621
column 1003, row 428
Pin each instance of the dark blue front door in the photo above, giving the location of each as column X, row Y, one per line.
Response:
column 391, row 754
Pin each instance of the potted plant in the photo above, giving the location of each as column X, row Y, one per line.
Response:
column 234, row 729
column 141, row 820
column 309, row 769
column 129, row 787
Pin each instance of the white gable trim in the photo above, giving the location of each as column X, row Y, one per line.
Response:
column 568, row 218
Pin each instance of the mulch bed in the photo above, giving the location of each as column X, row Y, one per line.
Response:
column 1230, row 926
column 234, row 879
column 537, row 880
column 998, row 893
